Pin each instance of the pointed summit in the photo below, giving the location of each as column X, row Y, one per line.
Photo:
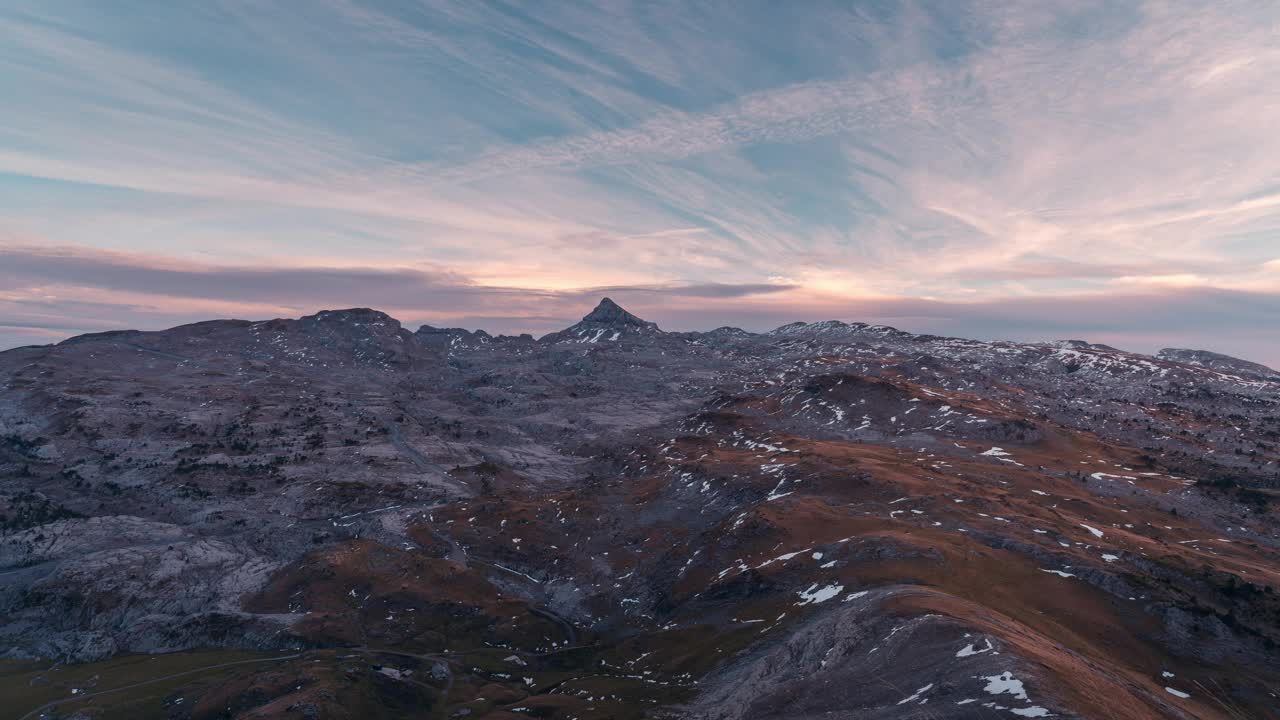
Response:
column 611, row 313
column 608, row 322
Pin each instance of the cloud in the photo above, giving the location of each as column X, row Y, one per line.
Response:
column 1035, row 266
column 46, row 295
column 167, row 278
column 464, row 158
column 709, row 290
column 58, row 288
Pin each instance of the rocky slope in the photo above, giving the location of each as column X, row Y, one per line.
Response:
column 830, row 520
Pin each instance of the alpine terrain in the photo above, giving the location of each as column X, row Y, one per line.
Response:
column 337, row 517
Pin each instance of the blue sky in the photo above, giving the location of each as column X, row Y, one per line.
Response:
column 1106, row 170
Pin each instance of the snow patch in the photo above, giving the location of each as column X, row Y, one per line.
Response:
column 916, row 695
column 815, row 595
column 1005, row 683
column 968, row 650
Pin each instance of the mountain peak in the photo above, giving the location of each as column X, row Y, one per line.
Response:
column 608, row 321
column 611, row 313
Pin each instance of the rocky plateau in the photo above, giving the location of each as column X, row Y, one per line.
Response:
column 337, row 517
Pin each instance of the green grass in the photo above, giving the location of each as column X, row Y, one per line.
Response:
column 135, row 687
column 25, row 686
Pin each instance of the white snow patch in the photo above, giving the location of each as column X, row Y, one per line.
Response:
column 916, row 695
column 815, row 595
column 968, row 650
column 1005, row 683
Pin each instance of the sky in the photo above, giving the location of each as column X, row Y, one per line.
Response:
column 1108, row 171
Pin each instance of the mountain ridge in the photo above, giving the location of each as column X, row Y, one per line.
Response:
column 720, row 525
column 607, row 316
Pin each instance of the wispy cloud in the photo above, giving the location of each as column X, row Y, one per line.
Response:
column 54, row 288
column 47, row 295
column 967, row 152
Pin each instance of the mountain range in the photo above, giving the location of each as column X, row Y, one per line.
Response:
column 337, row 517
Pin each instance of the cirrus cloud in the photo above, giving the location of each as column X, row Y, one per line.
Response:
column 444, row 157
